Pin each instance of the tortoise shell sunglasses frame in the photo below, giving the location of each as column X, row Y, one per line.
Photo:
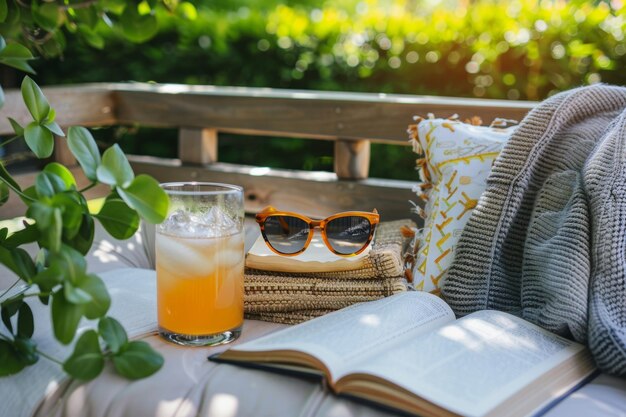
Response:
column 373, row 218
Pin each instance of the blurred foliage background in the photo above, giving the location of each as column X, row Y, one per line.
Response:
column 521, row 49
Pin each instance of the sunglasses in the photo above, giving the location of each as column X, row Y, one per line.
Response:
column 289, row 234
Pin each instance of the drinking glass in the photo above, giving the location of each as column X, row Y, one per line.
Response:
column 199, row 263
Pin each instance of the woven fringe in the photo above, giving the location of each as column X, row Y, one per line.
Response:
column 289, row 318
column 328, row 294
column 305, row 303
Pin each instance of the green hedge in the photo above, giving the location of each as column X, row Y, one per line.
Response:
column 519, row 50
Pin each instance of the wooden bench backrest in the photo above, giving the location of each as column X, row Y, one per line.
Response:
column 201, row 113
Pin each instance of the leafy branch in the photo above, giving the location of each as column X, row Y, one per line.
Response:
column 60, row 223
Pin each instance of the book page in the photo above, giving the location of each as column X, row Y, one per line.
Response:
column 347, row 336
column 473, row 364
column 316, row 258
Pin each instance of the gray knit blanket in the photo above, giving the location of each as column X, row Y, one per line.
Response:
column 547, row 241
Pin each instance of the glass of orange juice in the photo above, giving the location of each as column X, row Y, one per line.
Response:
column 199, row 263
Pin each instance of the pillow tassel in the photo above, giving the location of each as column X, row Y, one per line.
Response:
column 474, row 121
column 414, row 139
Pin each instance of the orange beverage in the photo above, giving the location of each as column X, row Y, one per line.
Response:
column 199, row 284
column 199, row 263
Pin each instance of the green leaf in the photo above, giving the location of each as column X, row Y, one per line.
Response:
column 87, row 361
column 63, row 173
column 170, row 5
column 71, row 213
column 54, row 128
column 84, row 148
column 17, row 56
column 54, row 47
column 13, row 17
column 47, row 184
column 114, row 6
column 136, row 27
column 41, row 213
column 52, row 235
column 146, row 197
column 49, row 221
column 10, row 308
column 10, row 361
column 146, row 6
column 187, row 11
column 35, row 101
column 87, row 17
column 48, row 278
column 72, row 264
column 3, row 43
column 118, row 219
column 76, row 295
column 137, row 360
column 26, row 349
column 51, row 116
column 17, row 128
column 65, row 317
column 113, row 333
column 23, row 264
column 84, row 238
column 15, row 51
column 28, row 234
column 94, row 286
column 25, row 322
column 115, row 168
column 30, row 194
column 92, row 37
column 39, row 140
column 41, row 259
column 48, row 16
column 4, row 10
column 4, row 193
column 18, row 261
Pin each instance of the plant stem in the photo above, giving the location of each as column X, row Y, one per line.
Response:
column 39, row 294
column 90, row 186
column 50, row 358
column 10, row 288
column 21, row 194
column 6, row 142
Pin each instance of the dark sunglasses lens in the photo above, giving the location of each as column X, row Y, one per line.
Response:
column 286, row 234
column 348, row 235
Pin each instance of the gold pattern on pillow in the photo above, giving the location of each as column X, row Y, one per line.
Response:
column 457, row 159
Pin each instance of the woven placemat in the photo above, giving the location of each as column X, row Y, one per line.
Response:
column 323, row 294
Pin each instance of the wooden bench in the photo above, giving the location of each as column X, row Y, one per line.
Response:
column 352, row 120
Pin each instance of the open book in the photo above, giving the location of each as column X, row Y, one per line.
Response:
column 408, row 352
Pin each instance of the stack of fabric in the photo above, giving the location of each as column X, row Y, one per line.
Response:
column 289, row 297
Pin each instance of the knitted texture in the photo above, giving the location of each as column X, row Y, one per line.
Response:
column 295, row 297
column 546, row 240
column 605, row 182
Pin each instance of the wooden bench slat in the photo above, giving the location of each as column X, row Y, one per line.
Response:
column 310, row 193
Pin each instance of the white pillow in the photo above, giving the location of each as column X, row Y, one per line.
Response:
column 457, row 161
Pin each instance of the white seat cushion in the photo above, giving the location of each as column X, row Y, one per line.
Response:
column 190, row 385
